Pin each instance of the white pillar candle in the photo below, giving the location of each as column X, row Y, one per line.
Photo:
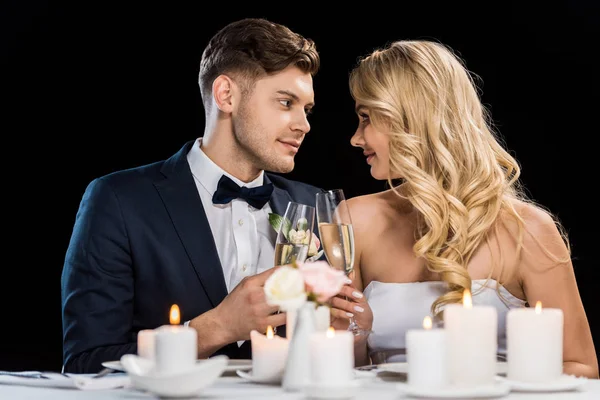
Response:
column 175, row 346
column 322, row 318
column 331, row 357
column 145, row 343
column 269, row 354
column 534, row 344
column 426, row 356
column 472, row 342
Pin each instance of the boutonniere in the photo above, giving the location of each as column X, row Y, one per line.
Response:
column 299, row 234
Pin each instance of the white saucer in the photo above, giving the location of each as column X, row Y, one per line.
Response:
column 562, row 384
column 249, row 377
column 358, row 374
column 188, row 383
column 232, row 365
column 494, row 390
column 115, row 365
column 321, row 391
column 402, row 367
column 238, row 365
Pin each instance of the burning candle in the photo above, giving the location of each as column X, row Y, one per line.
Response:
column 426, row 356
column 534, row 344
column 269, row 354
column 331, row 357
column 176, row 346
column 472, row 342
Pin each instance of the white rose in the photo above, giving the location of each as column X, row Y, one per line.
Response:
column 285, row 289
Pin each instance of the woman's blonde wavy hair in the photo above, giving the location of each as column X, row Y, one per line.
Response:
column 454, row 170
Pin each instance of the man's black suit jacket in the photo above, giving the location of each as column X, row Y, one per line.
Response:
column 141, row 242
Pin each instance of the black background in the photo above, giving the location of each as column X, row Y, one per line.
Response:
column 90, row 88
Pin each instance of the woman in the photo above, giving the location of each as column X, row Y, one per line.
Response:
column 455, row 217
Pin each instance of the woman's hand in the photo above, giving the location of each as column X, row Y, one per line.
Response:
column 350, row 302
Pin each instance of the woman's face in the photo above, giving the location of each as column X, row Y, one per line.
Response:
column 375, row 144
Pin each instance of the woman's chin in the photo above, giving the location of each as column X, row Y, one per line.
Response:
column 380, row 176
column 383, row 175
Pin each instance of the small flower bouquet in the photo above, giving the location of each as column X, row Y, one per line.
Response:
column 292, row 285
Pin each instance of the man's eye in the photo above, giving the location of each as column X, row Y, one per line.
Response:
column 285, row 103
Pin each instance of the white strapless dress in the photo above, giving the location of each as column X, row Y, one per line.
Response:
column 398, row 307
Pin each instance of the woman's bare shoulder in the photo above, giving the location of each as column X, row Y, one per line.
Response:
column 536, row 218
column 377, row 208
column 541, row 236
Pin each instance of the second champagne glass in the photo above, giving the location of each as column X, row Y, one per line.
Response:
column 337, row 237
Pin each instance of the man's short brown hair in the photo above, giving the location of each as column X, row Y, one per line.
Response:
column 254, row 47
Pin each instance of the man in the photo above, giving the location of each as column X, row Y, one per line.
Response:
column 182, row 231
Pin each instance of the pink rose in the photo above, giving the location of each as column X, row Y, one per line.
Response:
column 315, row 244
column 322, row 280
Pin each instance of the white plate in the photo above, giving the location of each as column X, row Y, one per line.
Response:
column 241, row 365
column 232, row 365
column 116, row 365
column 249, row 377
column 318, row 391
column 402, row 367
column 562, row 384
column 187, row 383
column 358, row 374
column 497, row 389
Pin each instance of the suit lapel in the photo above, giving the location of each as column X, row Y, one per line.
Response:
column 182, row 201
column 279, row 202
column 279, row 199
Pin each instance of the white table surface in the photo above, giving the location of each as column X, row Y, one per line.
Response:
column 234, row 387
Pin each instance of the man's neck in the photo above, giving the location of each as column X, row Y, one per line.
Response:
column 229, row 159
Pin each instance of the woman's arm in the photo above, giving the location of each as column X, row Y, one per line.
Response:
column 342, row 309
column 553, row 283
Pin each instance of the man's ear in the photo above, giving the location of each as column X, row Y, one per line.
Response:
column 223, row 90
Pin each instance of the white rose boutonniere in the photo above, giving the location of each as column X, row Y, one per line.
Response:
column 299, row 235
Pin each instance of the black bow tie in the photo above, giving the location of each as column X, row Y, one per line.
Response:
column 228, row 190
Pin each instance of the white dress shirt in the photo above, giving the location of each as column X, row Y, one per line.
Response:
column 244, row 238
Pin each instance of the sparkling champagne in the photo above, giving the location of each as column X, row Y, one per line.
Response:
column 338, row 244
column 288, row 253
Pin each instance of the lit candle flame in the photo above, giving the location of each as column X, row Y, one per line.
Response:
column 538, row 307
column 270, row 332
column 427, row 323
column 174, row 315
column 467, row 300
column 330, row 332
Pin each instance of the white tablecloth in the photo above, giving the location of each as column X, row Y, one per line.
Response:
column 234, row 387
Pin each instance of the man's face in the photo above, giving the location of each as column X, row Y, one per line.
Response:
column 269, row 123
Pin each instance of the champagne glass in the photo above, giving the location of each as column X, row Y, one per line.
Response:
column 337, row 237
column 294, row 234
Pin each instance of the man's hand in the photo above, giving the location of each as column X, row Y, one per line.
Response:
column 246, row 308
